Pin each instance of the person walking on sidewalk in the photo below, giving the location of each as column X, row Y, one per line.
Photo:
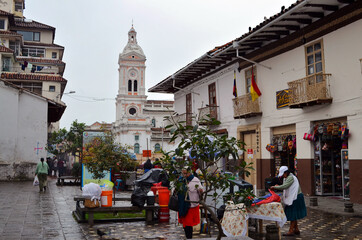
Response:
column 42, row 172
column 189, row 210
column 293, row 200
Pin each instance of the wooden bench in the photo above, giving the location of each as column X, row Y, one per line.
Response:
column 73, row 180
column 80, row 211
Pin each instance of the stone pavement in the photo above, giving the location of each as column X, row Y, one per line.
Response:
column 27, row 214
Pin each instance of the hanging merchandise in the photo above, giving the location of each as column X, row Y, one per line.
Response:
column 39, row 68
column 33, row 69
column 309, row 135
column 30, row 66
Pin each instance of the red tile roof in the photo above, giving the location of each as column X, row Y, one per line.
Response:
column 32, row 76
column 32, row 24
column 160, row 101
column 42, row 44
column 10, row 33
column 39, row 60
column 5, row 49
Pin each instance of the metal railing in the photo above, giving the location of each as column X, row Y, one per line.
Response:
column 209, row 110
column 313, row 88
column 244, row 107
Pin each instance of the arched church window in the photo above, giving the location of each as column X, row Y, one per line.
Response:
column 135, row 85
column 136, row 148
column 153, row 122
column 157, row 147
column 129, row 85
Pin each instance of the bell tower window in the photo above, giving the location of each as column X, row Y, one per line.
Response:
column 129, row 85
column 135, row 85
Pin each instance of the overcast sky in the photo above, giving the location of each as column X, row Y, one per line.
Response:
column 172, row 33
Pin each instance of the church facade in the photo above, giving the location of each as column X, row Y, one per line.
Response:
column 139, row 122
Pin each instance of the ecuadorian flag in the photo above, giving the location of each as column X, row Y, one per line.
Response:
column 254, row 90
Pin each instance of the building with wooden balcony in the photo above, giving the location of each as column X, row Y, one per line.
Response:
column 306, row 62
column 29, row 57
column 31, row 87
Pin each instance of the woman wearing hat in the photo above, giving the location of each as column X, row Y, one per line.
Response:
column 293, row 200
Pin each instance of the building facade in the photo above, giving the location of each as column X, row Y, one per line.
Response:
column 306, row 62
column 29, row 57
column 31, row 87
column 139, row 122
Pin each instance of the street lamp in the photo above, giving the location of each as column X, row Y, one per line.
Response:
column 70, row 92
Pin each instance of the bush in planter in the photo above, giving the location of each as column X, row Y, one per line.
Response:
column 76, row 170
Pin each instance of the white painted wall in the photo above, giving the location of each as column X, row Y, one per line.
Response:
column 23, row 127
column 342, row 54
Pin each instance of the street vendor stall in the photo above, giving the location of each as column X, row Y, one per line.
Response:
column 235, row 218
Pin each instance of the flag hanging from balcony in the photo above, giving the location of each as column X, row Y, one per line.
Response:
column 235, row 91
column 254, row 90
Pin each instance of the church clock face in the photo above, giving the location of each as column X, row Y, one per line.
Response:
column 132, row 74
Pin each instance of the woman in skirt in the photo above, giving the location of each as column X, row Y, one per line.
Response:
column 293, row 200
column 189, row 211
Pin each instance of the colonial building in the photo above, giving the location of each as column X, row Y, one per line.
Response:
column 139, row 122
column 306, row 63
column 29, row 57
column 31, row 87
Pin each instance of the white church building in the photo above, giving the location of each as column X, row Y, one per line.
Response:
column 139, row 122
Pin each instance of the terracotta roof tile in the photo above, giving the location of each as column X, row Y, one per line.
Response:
column 5, row 49
column 10, row 33
column 160, row 101
column 39, row 60
column 32, row 24
column 42, row 44
column 32, row 76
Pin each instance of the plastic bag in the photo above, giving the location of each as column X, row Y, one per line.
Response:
column 139, row 197
column 106, row 185
column 36, row 181
column 92, row 191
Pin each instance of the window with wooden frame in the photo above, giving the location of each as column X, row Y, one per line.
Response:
column 314, row 59
column 188, row 110
column 248, row 74
column 212, row 100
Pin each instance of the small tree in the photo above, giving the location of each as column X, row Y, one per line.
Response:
column 208, row 148
column 103, row 153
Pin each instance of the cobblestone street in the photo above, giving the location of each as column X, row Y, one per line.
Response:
column 27, row 214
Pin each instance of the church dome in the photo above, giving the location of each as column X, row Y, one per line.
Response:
column 132, row 46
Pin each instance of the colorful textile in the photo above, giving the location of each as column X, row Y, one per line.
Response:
column 270, row 211
column 297, row 210
column 272, row 198
column 192, row 217
column 234, row 220
column 254, row 90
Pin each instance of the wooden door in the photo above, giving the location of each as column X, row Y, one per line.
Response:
column 188, row 109
column 250, row 156
column 212, row 100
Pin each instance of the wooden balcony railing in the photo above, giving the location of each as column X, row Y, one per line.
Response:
column 184, row 117
column 244, row 107
column 205, row 111
column 309, row 91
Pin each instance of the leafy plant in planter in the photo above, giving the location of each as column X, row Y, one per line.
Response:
column 103, row 153
column 209, row 149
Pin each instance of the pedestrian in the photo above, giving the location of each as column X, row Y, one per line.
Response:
column 50, row 164
column 148, row 165
column 293, row 200
column 55, row 166
column 188, row 198
column 42, row 173
column 60, row 167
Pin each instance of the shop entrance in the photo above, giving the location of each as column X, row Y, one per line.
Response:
column 250, row 155
column 330, row 172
